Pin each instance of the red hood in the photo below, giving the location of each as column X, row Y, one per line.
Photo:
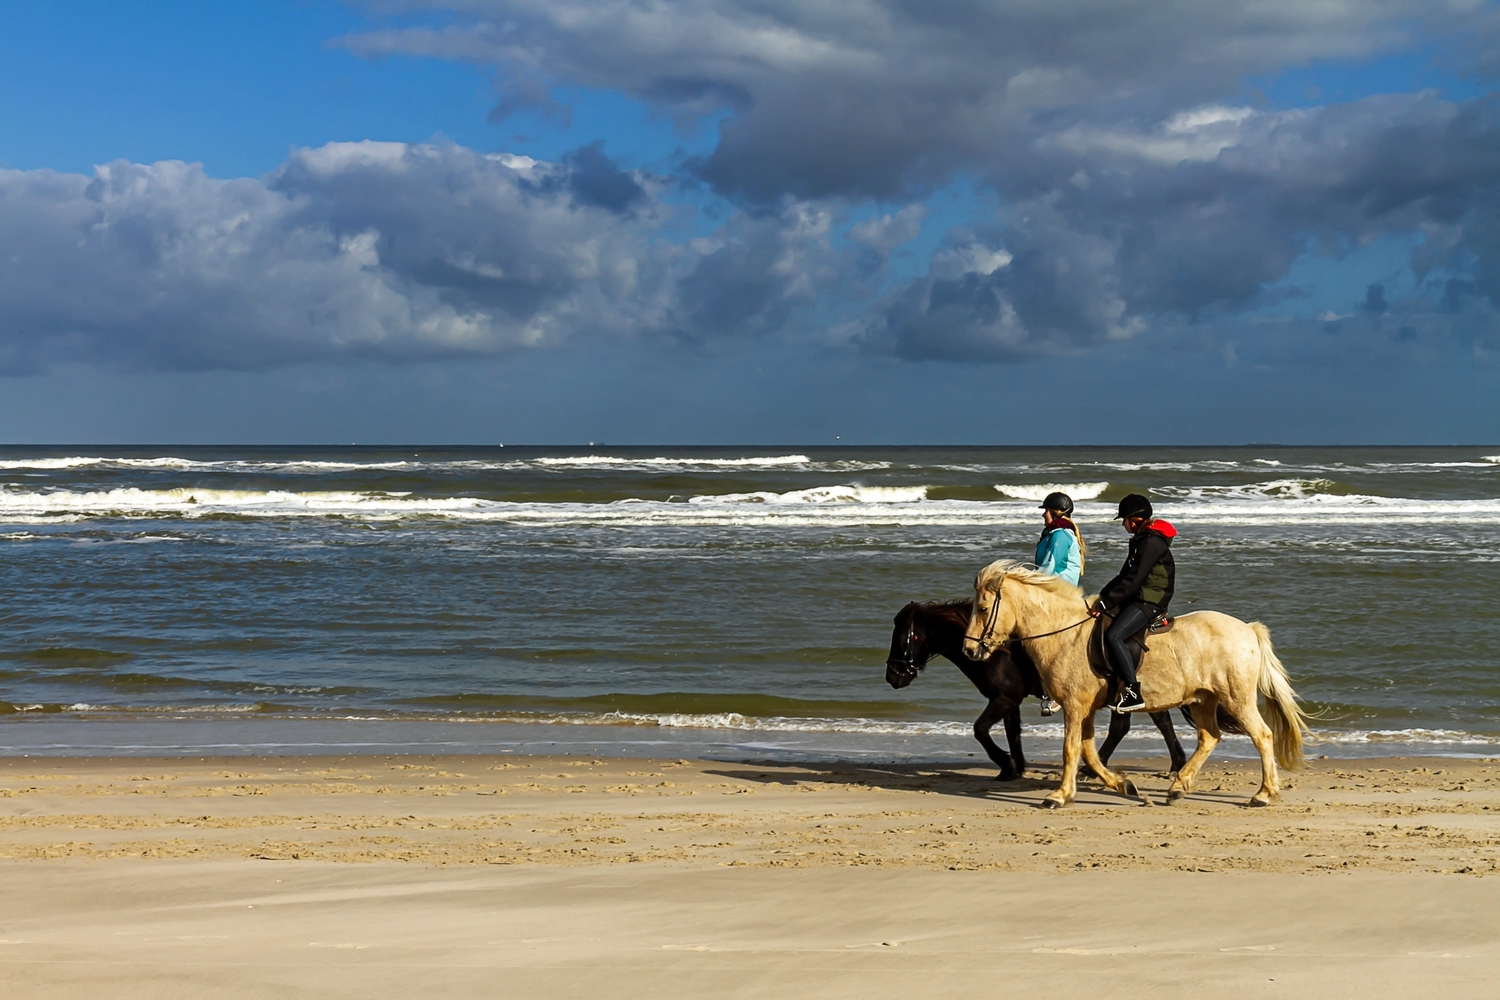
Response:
column 1162, row 528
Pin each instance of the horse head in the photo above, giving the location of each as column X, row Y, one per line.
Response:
column 909, row 651
column 993, row 621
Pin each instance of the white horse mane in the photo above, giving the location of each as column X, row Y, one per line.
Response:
column 991, row 576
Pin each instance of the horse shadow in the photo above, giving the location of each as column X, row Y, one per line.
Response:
column 961, row 781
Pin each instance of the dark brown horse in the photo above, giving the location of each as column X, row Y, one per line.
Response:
column 1006, row 678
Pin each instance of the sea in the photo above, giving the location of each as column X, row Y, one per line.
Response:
column 693, row 602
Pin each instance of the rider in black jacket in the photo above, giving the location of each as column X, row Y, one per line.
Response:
column 1142, row 590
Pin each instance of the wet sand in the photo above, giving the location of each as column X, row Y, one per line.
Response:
column 550, row 876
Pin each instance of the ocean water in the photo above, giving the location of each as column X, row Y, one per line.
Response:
column 691, row 600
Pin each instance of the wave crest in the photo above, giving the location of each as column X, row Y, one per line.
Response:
column 822, row 495
column 1039, row 491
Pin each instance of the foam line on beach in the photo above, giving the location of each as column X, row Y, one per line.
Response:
column 722, row 721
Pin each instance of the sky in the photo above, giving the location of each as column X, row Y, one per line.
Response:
column 750, row 221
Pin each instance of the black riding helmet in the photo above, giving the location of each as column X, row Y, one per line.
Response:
column 1058, row 502
column 1133, row 505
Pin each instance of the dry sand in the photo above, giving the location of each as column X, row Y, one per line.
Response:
column 560, row 877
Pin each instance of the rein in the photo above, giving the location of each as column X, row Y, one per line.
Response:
column 1060, row 631
column 987, row 636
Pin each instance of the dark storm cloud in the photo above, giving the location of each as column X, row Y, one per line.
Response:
column 1136, row 185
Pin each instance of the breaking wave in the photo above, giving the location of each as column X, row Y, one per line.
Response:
column 1276, row 502
column 822, row 494
column 1039, row 491
column 1275, row 489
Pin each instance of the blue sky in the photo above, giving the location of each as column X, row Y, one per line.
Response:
column 776, row 220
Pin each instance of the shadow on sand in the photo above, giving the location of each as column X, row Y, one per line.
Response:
column 972, row 782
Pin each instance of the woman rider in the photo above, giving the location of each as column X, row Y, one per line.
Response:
column 1060, row 551
column 1141, row 591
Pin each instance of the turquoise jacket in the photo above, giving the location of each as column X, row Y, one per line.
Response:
column 1058, row 553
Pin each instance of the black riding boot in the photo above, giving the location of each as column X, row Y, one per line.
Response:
column 1131, row 619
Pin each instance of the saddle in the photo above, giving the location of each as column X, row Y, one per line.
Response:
column 1160, row 624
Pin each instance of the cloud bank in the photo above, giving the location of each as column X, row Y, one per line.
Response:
column 1140, row 186
column 374, row 250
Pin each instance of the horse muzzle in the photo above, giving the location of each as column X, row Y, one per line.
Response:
column 898, row 674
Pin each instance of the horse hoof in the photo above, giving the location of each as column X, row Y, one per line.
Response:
column 1175, row 794
column 1051, row 804
column 1130, row 789
column 1257, row 802
column 1006, row 776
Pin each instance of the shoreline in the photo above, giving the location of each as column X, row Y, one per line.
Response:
column 231, row 734
column 579, row 876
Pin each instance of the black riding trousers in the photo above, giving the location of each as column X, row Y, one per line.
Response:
column 1131, row 619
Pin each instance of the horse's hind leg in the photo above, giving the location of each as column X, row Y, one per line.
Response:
column 992, row 713
column 1208, row 737
column 1115, row 782
column 1260, row 735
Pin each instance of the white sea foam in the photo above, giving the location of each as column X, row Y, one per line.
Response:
column 1276, row 489
column 821, row 495
column 1278, row 502
column 963, row 730
column 191, row 465
column 590, row 461
column 49, row 463
column 942, row 727
column 1039, row 491
column 1435, row 736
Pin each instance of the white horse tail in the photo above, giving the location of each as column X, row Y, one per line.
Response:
column 1287, row 720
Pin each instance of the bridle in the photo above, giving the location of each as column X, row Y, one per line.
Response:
column 986, row 637
column 907, row 669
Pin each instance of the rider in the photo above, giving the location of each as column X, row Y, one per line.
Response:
column 1060, row 551
column 1142, row 590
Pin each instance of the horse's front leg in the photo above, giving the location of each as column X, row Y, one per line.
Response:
column 992, row 713
column 1119, row 725
column 1163, row 722
column 1113, row 781
column 1013, row 738
column 1074, row 712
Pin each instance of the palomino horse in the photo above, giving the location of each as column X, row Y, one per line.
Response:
column 1207, row 660
column 1006, row 677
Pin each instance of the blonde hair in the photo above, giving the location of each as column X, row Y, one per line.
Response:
column 1083, row 549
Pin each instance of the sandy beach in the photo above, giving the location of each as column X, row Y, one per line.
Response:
column 565, row 876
